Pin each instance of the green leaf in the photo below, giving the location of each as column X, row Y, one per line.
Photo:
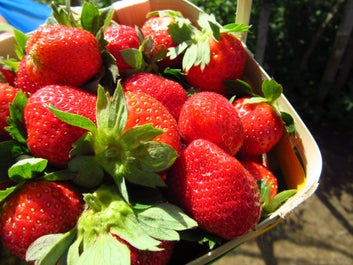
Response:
column 73, row 119
column 105, row 250
column 288, row 122
column 90, row 17
column 21, row 40
column 49, row 248
column 180, row 33
column 60, row 175
column 137, row 135
column 271, row 90
column 9, row 151
column 7, row 192
column 16, row 127
column 163, row 220
column 132, row 232
column 111, row 113
column 88, row 173
column 27, row 168
column 233, row 27
column 133, row 57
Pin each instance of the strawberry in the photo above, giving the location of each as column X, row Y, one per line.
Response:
column 7, row 95
column 63, row 55
column 227, row 62
column 36, row 209
column 210, row 116
column 261, row 172
column 170, row 93
column 156, row 27
column 263, row 127
column 144, row 109
column 7, row 76
column 215, row 190
column 24, row 81
column 121, row 37
column 48, row 136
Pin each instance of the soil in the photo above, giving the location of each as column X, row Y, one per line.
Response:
column 320, row 231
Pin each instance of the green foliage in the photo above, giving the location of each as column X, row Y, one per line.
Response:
column 293, row 23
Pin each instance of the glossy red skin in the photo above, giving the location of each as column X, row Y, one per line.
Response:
column 227, row 62
column 48, row 136
column 215, row 189
column 210, row 116
column 37, row 209
column 157, row 28
column 170, row 93
column 259, row 172
column 7, row 95
column 7, row 76
column 121, row 37
column 263, row 127
column 63, row 55
column 144, row 109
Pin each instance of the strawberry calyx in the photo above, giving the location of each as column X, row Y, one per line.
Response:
column 270, row 205
column 193, row 41
column 126, row 155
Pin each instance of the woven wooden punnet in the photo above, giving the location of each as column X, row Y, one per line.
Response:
column 297, row 157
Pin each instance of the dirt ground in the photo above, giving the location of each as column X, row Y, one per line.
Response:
column 320, row 231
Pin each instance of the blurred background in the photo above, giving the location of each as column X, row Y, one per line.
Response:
column 307, row 46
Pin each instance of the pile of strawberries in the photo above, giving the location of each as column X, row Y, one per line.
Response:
column 118, row 142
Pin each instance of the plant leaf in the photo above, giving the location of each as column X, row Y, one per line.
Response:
column 271, row 90
column 9, row 151
column 73, row 119
column 105, row 250
column 16, row 127
column 27, row 168
column 49, row 248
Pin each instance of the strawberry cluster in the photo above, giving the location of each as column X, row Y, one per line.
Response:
column 117, row 138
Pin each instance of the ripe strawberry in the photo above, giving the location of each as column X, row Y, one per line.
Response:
column 170, row 93
column 7, row 76
column 24, row 81
column 62, row 55
column 215, row 190
column 49, row 137
column 121, row 37
column 263, row 127
column 259, row 172
column 7, row 95
column 144, row 109
column 210, row 116
column 227, row 62
column 36, row 209
column 156, row 26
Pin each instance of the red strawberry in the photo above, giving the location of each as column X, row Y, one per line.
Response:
column 24, row 81
column 144, row 109
column 157, row 27
column 263, row 127
column 259, row 172
column 121, row 37
column 215, row 190
column 62, row 55
column 170, row 93
column 211, row 116
column 37, row 209
column 227, row 62
column 49, row 137
column 7, row 76
column 7, row 95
